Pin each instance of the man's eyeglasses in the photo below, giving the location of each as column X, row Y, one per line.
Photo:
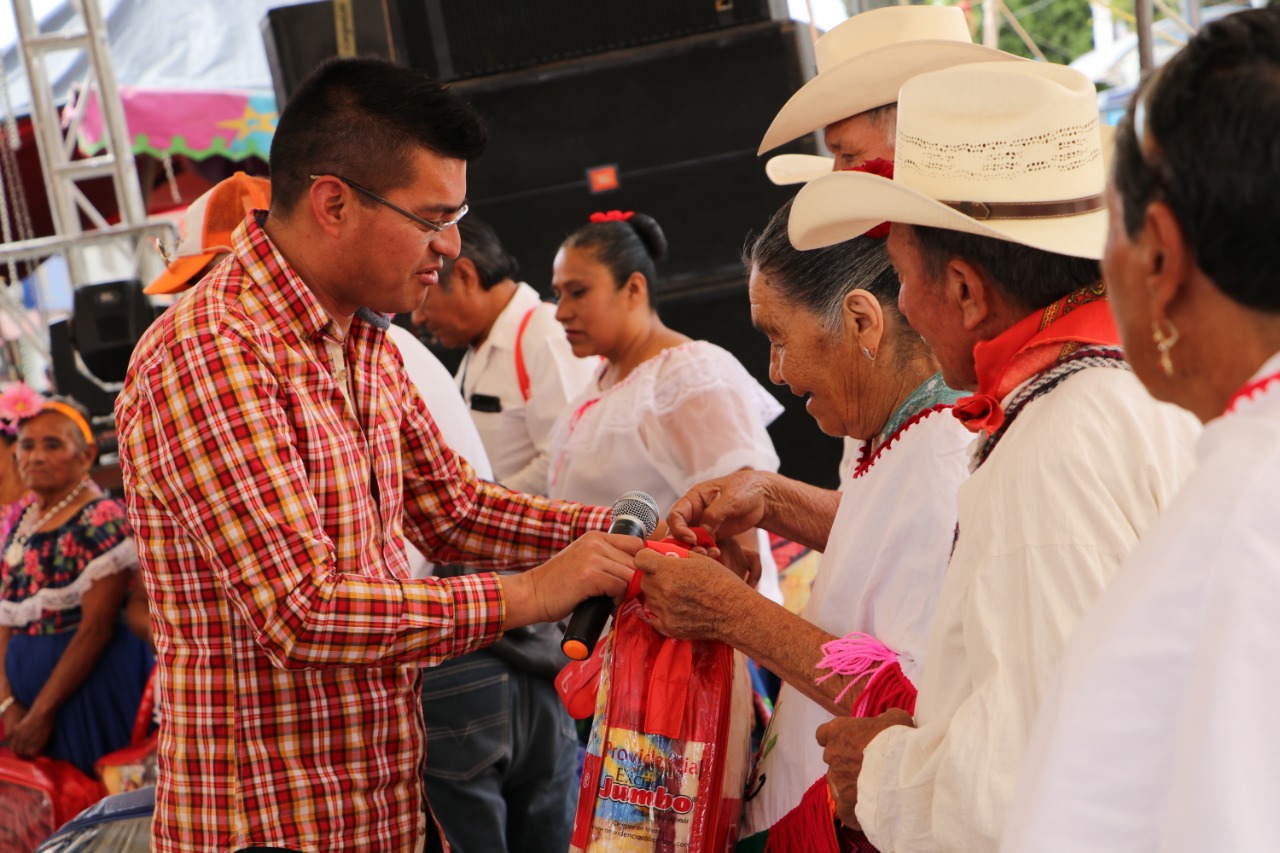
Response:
column 425, row 223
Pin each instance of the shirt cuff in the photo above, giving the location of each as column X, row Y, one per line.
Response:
column 594, row 518
column 476, row 606
column 879, row 759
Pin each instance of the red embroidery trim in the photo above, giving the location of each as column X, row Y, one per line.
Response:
column 866, row 461
column 1249, row 391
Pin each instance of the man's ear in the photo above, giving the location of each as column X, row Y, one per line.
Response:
column 971, row 292
column 863, row 319
column 328, row 202
column 465, row 276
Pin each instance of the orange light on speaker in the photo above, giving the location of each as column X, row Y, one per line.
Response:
column 603, row 178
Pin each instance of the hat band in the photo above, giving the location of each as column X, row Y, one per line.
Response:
column 1027, row 209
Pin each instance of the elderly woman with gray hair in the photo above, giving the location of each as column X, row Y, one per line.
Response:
column 837, row 339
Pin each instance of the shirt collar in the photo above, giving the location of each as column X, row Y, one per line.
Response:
column 282, row 294
column 1081, row 318
column 507, row 323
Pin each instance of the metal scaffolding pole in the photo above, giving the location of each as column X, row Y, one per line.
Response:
column 55, row 134
column 1146, row 53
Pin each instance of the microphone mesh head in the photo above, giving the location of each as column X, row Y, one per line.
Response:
column 640, row 506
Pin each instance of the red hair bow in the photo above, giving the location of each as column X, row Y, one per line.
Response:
column 612, row 216
column 883, row 169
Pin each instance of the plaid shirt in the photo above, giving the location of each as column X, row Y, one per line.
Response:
column 269, row 512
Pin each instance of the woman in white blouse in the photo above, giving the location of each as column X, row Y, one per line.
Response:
column 664, row 412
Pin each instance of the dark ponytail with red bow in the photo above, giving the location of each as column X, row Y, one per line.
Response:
column 624, row 242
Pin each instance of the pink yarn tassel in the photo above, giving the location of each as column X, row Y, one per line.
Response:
column 853, row 656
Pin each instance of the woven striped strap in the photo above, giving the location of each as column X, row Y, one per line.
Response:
column 1044, row 382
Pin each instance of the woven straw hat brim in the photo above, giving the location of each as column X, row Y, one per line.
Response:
column 867, row 81
column 844, row 205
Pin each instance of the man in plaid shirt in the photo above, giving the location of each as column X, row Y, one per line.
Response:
column 273, row 453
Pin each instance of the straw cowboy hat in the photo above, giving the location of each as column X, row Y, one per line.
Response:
column 206, row 228
column 786, row 169
column 1010, row 150
column 863, row 62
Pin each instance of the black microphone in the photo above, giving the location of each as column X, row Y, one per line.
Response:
column 634, row 514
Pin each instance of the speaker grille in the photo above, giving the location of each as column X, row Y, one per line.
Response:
column 490, row 36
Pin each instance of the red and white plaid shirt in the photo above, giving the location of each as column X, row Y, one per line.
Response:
column 268, row 513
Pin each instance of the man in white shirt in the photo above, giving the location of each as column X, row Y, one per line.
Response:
column 519, row 371
column 996, row 246
column 433, row 382
column 503, row 758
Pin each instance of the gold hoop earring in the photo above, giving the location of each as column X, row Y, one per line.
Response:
column 1164, row 341
column 867, row 352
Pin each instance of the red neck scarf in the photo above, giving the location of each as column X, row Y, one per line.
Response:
column 1033, row 344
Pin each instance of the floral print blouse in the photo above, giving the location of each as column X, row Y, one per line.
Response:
column 41, row 594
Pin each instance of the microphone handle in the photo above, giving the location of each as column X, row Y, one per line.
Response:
column 589, row 617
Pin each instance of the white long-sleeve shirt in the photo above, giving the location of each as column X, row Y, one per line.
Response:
column 1044, row 524
column 880, row 574
column 690, row 413
column 517, row 436
column 1157, row 735
column 436, row 388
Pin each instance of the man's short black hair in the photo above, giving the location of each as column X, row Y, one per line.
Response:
column 1031, row 278
column 363, row 119
column 481, row 246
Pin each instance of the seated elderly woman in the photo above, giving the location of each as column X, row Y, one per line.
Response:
column 1157, row 734
column 838, row 340
column 73, row 674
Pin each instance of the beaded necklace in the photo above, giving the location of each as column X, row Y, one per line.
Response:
column 13, row 554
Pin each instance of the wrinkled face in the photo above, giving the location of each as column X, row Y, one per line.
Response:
column 803, row 355
column 929, row 308
column 451, row 314
column 589, row 303
column 857, row 139
column 1123, row 275
column 50, row 456
column 394, row 259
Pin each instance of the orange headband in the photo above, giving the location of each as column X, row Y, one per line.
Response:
column 76, row 417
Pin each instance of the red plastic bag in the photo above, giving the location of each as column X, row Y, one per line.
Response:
column 670, row 744
column 37, row 796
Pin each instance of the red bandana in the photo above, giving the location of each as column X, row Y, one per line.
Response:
column 1081, row 318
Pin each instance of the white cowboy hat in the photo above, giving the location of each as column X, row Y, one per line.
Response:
column 787, row 169
column 863, row 62
column 1010, row 150
column 784, row 169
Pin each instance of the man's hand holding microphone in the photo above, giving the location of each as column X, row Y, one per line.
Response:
column 585, row 578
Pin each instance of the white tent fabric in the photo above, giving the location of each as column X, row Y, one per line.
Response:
column 178, row 44
column 195, row 44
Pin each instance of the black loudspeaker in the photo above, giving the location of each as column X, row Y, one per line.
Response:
column 458, row 39
column 298, row 38
column 106, row 322
column 69, row 379
column 669, row 129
